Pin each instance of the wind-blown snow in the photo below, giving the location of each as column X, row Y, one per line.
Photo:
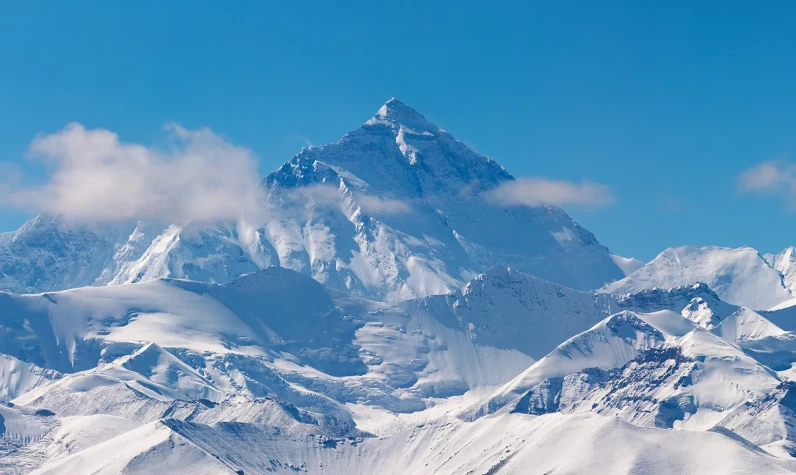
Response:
column 627, row 264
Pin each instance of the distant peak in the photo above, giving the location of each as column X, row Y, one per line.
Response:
column 397, row 113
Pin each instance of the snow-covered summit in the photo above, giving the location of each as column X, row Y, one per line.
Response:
column 399, row 152
column 394, row 210
column 398, row 114
column 406, row 188
column 739, row 276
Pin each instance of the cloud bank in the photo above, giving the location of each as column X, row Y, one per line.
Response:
column 541, row 191
column 96, row 177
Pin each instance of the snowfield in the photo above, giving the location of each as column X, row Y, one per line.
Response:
column 511, row 444
column 320, row 381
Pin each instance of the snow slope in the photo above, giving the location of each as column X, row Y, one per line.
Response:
column 767, row 422
column 151, row 448
column 691, row 382
column 745, row 325
column 739, row 276
column 18, row 377
column 509, row 309
column 609, row 344
column 275, row 373
column 658, row 368
column 785, row 263
column 510, row 444
column 279, row 333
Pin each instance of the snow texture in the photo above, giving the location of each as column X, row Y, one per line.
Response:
column 739, row 276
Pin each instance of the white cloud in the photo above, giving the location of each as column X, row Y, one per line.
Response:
column 96, row 177
column 327, row 195
column 319, row 196
column 374, row 205
column 541, row 191
column 773, row 177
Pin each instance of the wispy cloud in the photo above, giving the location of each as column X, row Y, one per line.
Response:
column 199, row 178
column 542, row 191
column 327, row 195
column 671, row 203
column 378, row 206
column 304, row 140
column 775, row 177
column 96, row 177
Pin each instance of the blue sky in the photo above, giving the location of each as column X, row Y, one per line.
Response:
column 666, row 103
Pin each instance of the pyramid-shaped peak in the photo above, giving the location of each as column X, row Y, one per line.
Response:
column 396, row 113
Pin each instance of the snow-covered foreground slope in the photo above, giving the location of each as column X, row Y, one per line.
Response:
column 511, row 444
column 278, row 332
column 276, row 373
column 275, row 331
column 739, row 276
column 172, row 371
column 396, row 209
column 143, row 350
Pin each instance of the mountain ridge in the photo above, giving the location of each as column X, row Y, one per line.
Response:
column 394, row 210
column 388, row 305
column 739, row 276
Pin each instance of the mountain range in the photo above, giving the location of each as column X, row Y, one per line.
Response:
column 389, row 305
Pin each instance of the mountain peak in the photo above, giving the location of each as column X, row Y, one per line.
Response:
column 396, row 113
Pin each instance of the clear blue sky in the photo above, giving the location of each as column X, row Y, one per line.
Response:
column 665, row 102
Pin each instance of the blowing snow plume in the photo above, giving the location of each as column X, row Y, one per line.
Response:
column 95, row 177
